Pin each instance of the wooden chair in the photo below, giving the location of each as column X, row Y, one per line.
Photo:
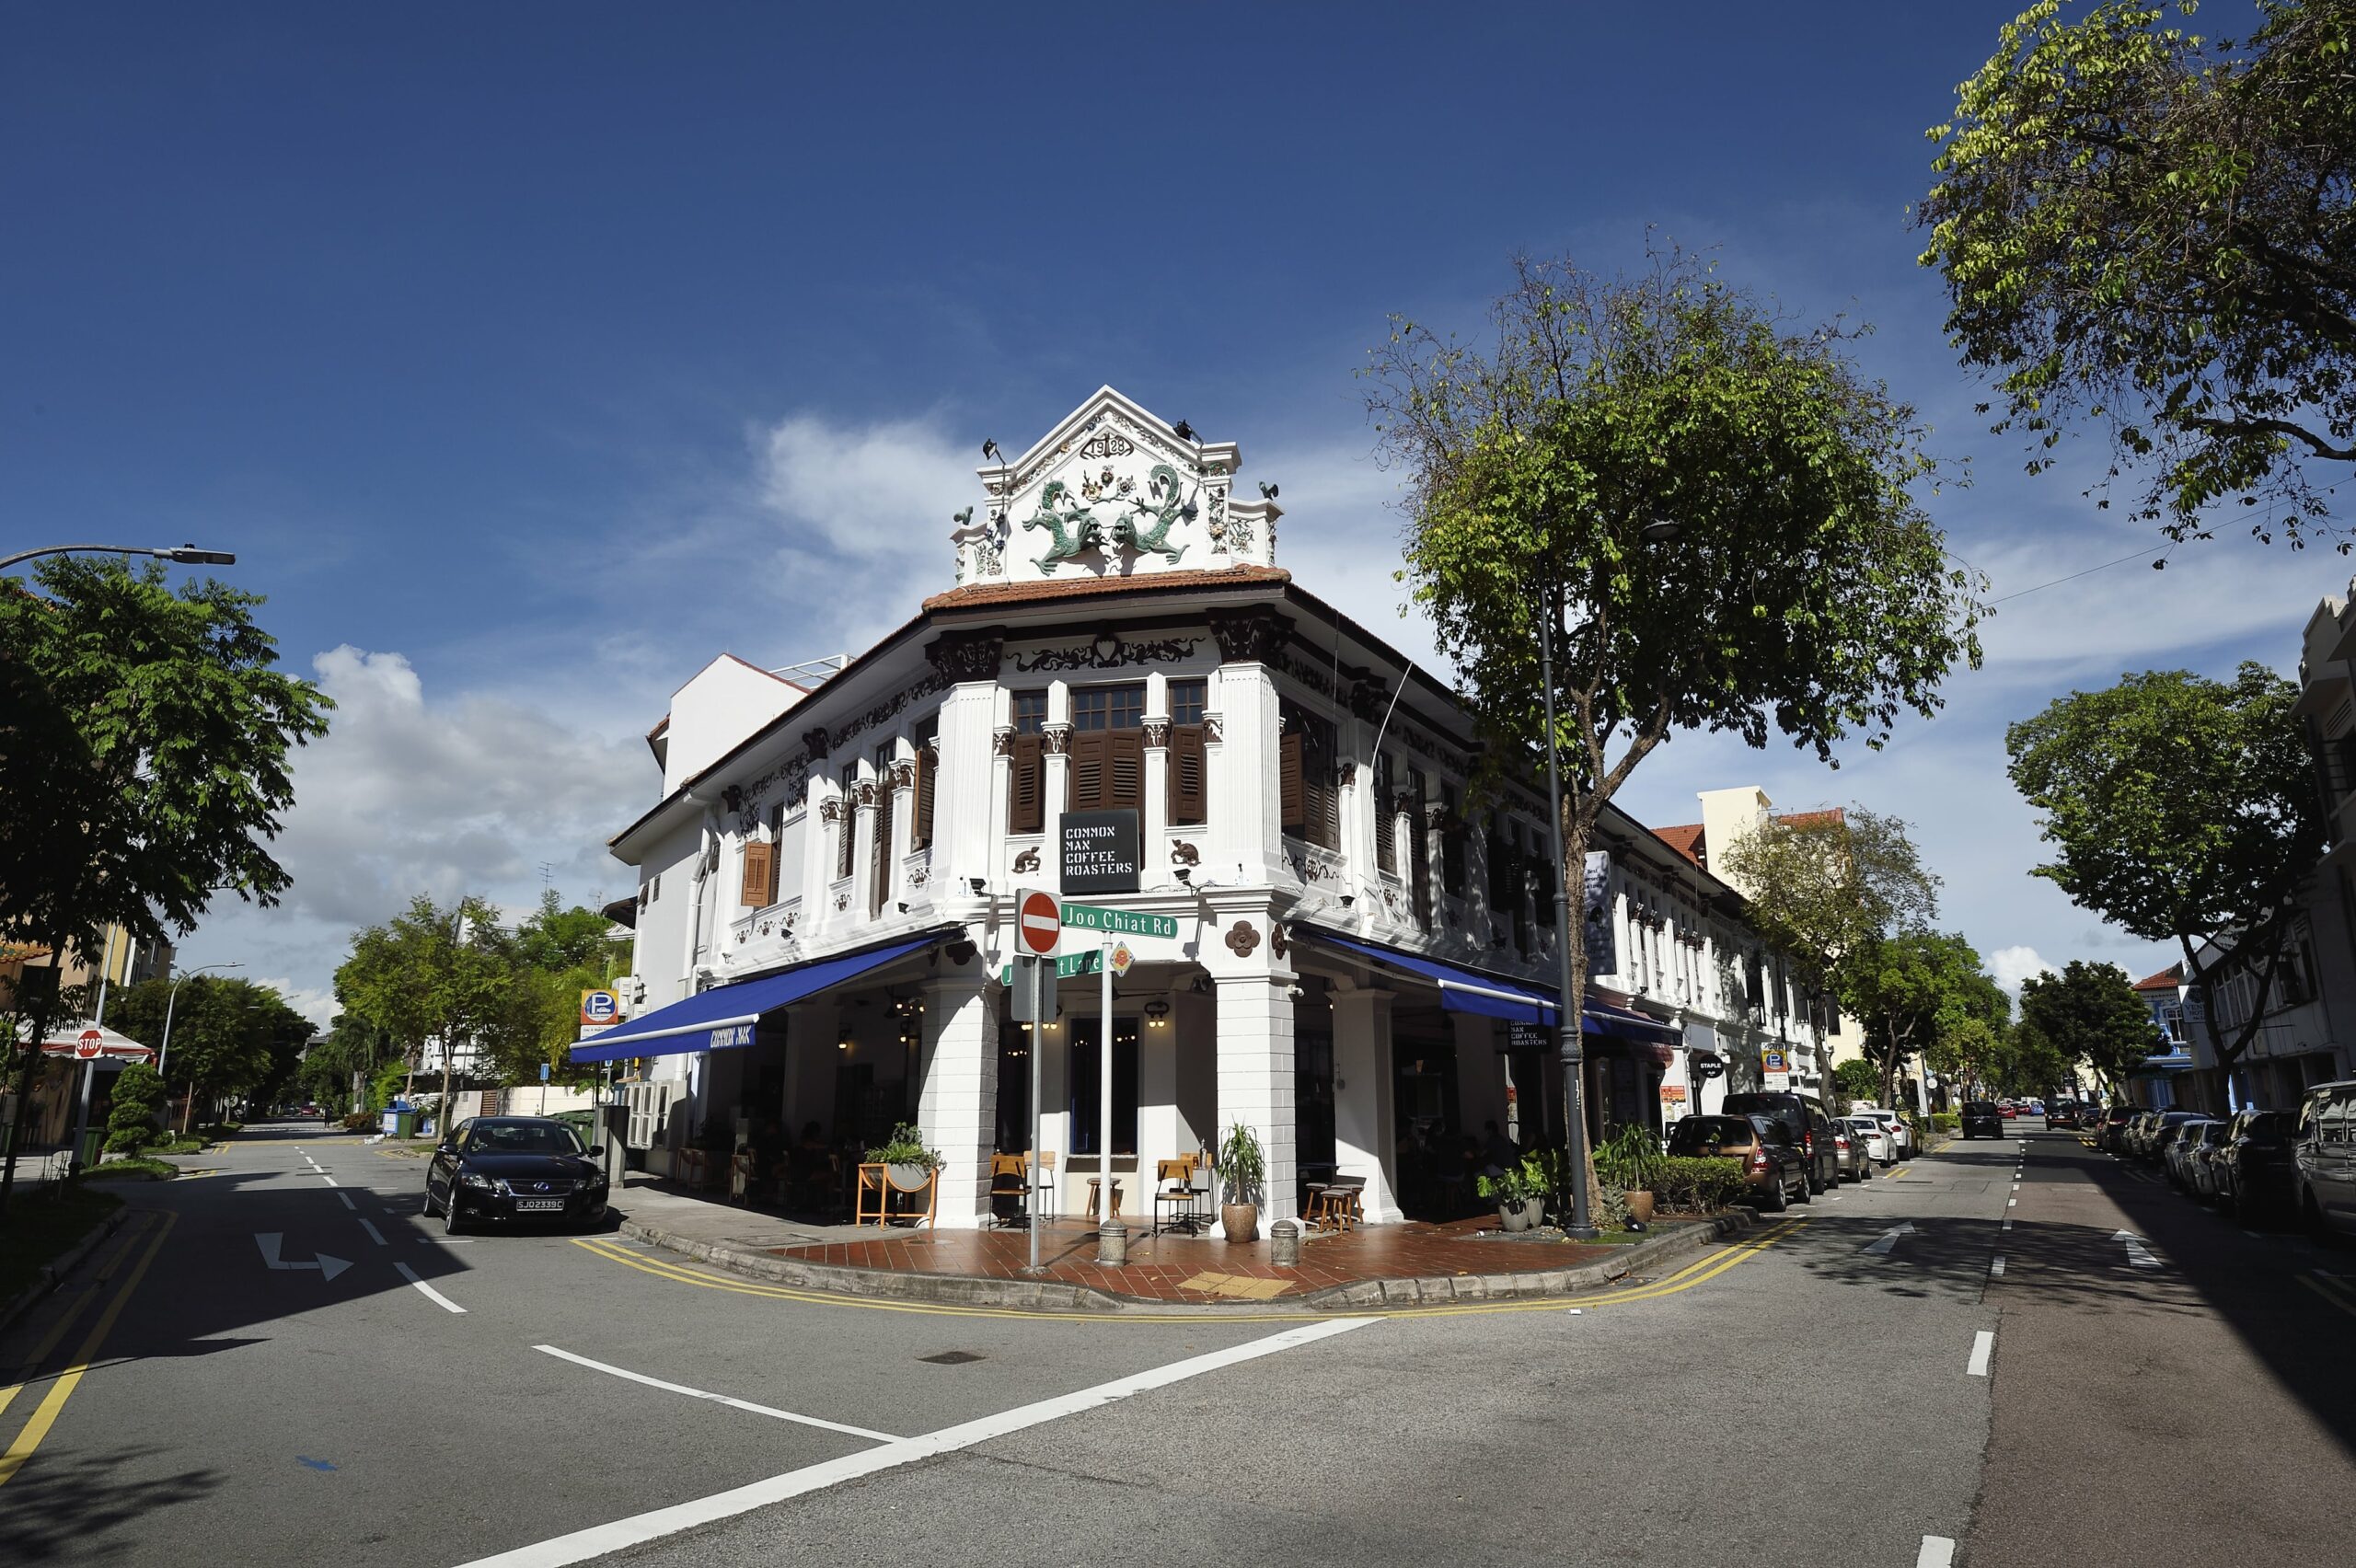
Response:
column 1174, row 1191
column 1010, row 1178
column 1046, row 1197
column 743, row 1166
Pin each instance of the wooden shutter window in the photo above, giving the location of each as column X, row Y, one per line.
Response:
column 844, row 826
column 1091, row 768
column 1292, row 797
column 1026, row 790
column 760, row 889
column 1125, row 769
column 880, row 885
column 1419, row 863
column 1189, row 792
column 927, row 763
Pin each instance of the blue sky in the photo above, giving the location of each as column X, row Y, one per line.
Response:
column 530, row 355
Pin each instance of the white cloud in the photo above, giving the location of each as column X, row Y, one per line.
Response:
column 2012, row 965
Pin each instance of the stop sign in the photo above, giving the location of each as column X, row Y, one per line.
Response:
column 1038, row 922
column 89, row 1043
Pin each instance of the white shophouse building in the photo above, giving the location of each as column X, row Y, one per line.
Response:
column 826, row 885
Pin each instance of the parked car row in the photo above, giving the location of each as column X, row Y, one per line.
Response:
column 2261, row 1166
column 1792, row 1149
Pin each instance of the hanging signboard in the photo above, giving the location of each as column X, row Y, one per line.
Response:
column 1100, row 851
column 1602, row 946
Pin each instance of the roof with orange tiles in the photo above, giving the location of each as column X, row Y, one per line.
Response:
column 1089, row 587
column 1685, row 839
column 2168, row 979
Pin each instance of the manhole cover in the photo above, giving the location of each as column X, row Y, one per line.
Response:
column 952, row 1357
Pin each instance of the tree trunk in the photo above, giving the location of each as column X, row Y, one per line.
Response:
column 40, row 1015
column 1571, row 933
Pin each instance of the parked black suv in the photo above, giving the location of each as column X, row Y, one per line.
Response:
column 1983, row 1119
column 1806, row 1126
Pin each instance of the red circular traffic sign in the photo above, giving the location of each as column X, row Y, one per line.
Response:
column 1039, row 924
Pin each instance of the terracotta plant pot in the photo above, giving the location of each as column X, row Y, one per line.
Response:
column 1640, row 1206
column 1241, row 1221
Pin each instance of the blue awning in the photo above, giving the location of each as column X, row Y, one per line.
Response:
column 723, row 1018
column 1461, row 990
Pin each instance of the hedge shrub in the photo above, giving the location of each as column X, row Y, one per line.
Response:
column 1946, row 1122
column 1698, row 1184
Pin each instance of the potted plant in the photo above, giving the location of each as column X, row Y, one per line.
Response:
column 1243, row 1169
column 1631, row 1162
column 1520, row 1190
column 909, row 1164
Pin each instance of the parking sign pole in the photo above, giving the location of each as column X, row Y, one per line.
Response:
column 1104, row 1085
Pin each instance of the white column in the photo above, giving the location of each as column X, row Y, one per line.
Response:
column 1364, row 1122
column 1246, row 808
column 1054, row 790
column 963, row 789
column 1255, row 1078
column 957, row 1104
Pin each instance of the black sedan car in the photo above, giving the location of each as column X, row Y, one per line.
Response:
column 514, row 1171
column 1982, row 1118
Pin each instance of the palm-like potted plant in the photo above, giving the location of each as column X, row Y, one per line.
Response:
column 910, row 1164
column 1631, row 1162
column 1520, row 1190
column 1244, row 1170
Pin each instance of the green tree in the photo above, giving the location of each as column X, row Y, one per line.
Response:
column 2090, row 1013
column 134, row 1122
column 1855, row 1079
column 1806, row 590
column 2182, row 810
column 144, row 738
column 1968, row 1051
column 2031, row 1065
column 1914, row 989
column 230, row 1037
column 2157, row 231
column 428, row 977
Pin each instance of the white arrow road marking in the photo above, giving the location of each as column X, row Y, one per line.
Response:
column 270, row 1241
column 1880, row 1246
column 2138, row 1255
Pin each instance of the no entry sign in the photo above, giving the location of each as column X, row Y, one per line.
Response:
column 1038, row 922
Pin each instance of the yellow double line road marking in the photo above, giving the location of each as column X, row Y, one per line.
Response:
column 1693, row 1274
column 44, row 1414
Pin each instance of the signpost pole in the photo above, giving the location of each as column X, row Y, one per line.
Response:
column 1104, row 1088
column 1038, row 1173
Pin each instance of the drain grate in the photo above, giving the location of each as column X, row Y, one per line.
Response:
column 953, row 1357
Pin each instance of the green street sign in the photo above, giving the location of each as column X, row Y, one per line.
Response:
column 1067, row 965
column 1119, row 922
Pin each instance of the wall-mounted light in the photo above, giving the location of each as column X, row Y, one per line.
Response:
column 844, row 1043
column 1157, row 1013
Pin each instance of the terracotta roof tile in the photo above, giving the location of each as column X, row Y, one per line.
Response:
column 974, row 594
column 1685, row 839
column 1811, row 819
column 2168, row 979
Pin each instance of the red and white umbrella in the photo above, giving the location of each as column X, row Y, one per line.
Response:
column 83, row 1040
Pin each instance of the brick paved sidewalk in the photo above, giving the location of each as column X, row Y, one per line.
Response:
column 1376, row 1264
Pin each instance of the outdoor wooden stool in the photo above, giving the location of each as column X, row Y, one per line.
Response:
column 1093, row 1182
column 741, row 1168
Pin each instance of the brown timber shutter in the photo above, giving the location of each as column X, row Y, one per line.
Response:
column 1419, row 863
column 1125, row 769
column 1090, row 778
column 1025, row 803
column 1292, row 799
column 920, row 830
column 1188, row 784
column 880, row 885
column 759, row 888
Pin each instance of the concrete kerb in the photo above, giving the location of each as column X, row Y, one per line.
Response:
column 1058, row 1296
column 52, row 1274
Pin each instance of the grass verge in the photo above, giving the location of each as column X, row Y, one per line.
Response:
column 38, row 1229
column 139, row 1168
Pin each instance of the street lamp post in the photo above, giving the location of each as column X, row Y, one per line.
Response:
column 1582, row 1226
column 187, row 555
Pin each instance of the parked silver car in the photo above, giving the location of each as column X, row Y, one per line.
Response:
column 2175, row 1147
column 2202, row 1148
column 2325, row 1150
column 1881, row 1148
column 1849, row 1144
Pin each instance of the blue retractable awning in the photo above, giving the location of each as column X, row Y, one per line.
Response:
column 1470, row 991
column 1461, row 990
column 723, row 1017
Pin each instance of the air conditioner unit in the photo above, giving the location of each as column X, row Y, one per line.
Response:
column 632, row 990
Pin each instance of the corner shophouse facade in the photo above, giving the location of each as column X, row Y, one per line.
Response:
column 826, row 886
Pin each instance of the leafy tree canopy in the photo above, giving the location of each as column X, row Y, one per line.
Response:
column 2157, row 231
column 1913, row 988
column 2090, row 1013
column 1825, row 886
column 229, row 1036
column 143, row 744
column 2181, row 809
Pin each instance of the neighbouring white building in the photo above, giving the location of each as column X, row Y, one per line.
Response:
column 1336, row 944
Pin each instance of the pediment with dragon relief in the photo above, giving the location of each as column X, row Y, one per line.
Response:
column 1113, row 492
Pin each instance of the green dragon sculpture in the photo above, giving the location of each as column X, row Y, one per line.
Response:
column 1072, row 529
column 1131, row 532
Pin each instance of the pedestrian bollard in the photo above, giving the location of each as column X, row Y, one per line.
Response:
column 1112, row 1244
column 1284, row 1243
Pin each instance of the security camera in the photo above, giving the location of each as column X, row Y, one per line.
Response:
column 1348, row 899
column 904, row 908
column 1184, row 873
column 977, row 884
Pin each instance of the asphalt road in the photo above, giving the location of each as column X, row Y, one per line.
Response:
column 1806, row 1397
